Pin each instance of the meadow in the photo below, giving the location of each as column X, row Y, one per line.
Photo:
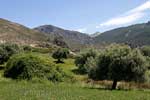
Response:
column 43, row 91
column 79, row 90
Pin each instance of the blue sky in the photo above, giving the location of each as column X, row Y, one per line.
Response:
column 87, row 16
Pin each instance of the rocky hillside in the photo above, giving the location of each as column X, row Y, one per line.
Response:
column 73, row 38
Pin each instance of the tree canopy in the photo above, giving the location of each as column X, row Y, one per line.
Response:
column 119, row 63
column 60, row 54
column 84, row 59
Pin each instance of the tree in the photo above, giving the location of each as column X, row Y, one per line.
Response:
column 120, row 63
column 82, row 60
column 59, row 41
column 60, row 54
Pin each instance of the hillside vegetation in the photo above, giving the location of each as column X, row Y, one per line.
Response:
column 135, row 35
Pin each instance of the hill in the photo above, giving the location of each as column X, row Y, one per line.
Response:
column 135, row 35
column 74, row 39
column 16, row 33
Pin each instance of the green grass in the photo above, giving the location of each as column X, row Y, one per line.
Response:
column 45, row 90
column 68, row 66
column 39, row 91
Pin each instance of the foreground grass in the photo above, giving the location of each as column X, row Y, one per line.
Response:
column 11, row 90
column 34, row 90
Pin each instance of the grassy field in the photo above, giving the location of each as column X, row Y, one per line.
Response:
column 48, row 91
column 45, row 90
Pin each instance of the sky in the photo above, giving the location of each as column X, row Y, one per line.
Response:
column 88, row 16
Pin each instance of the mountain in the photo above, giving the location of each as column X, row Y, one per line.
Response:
column 95, row 34
column 135, row 35
column 74, row 39
column 16, row 33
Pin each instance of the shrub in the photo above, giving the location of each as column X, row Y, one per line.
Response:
column 7, row 50
column 27, row 48
column 29, row 65
column 82, row 60
column 3, row 55
column 145, row 50
column 60, row 54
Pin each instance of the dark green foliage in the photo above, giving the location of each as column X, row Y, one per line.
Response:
column 7, row 50
column 83, row 59
column 61, row 53
column 119, row 63
column 3, row 55
column 145, row 50
column 59, row 41
column 27, row 48
column 28, row 66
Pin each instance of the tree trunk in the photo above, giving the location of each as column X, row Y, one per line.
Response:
column 59, row 61
column 114, row 85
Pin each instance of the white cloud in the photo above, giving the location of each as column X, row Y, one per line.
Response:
column 82, row 30
column 128, row 17
column 123, row 19
column 141, row 8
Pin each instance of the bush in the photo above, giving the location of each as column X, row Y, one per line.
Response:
column 3, row 55
column 28, row 65
column 27, row 48
column 145, row 50
column 60, row 54
column 83, row 59
column 7, row 50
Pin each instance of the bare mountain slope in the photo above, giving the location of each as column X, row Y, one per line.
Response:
column 16, row 33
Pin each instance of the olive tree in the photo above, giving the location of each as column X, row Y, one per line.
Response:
column 82, row 60
column 60, row 54
column 119, row 63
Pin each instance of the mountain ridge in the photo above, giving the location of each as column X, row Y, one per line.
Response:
column 138, row 34
column 73, row 38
